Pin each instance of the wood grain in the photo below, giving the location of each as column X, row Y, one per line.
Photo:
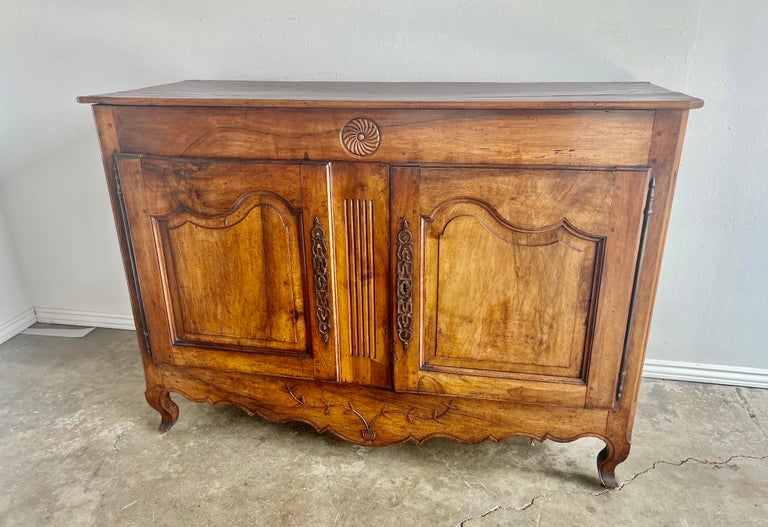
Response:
column 155, row 394
column 350, row 411
column 523, row 281
column 395, row 262
column 463, row 95
column 664, row 158
column 249, row 259
column 360, row 204
column 224, row 262
column 589, row 138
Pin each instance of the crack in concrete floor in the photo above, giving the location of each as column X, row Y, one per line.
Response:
column 533, row 500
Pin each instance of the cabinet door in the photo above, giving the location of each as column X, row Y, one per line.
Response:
column 232, row 263
column 514, row 283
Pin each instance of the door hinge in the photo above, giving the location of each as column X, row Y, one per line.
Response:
column 147, row 344
column 635, row 285
column 117, row 178
column 131, row 255
column 650, row 197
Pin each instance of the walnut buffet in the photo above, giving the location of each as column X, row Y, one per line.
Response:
column 398, row 261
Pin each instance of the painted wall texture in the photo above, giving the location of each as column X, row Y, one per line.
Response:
column 13, row 291
column 713, row 301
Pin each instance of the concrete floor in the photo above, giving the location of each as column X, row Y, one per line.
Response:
column 80, row 446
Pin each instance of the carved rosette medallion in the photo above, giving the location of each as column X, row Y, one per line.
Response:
column 404, row 284
column 360, row 137
column 320, row 272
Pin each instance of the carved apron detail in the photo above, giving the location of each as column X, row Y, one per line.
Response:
column 368, row 434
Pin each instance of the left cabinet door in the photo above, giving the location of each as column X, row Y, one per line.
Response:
column 233, row 263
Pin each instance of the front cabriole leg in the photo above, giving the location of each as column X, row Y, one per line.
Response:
column 607, row 460
column 161, row 401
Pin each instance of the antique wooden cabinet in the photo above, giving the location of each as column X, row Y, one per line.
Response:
column 395, row 262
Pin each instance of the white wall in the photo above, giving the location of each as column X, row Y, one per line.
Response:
column 713, row 293
column 14, row 302
column 713, row 300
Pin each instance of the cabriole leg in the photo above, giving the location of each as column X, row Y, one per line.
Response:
column 607, row 460
column 161, row 401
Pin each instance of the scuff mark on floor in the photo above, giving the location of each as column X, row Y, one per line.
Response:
column 754, row 419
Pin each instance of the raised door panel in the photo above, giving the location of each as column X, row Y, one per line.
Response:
column 232, row 262
column 520, row 280
column 249, row 260
column 504, row 298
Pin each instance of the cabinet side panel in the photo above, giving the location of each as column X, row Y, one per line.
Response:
column 108, row 136
column 664, row 159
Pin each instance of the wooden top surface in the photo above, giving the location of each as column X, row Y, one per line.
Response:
column 435, row 95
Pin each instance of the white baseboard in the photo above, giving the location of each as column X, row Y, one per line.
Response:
column 74, row 317
column 17, row 324
column 708, row 373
